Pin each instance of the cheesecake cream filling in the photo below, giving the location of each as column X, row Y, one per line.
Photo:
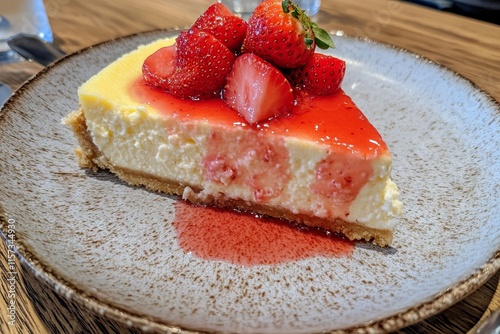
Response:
column 137, row 137
column 133, row 138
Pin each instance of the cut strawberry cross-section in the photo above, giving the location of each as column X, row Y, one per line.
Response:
column 257, row 90
column 159, row 66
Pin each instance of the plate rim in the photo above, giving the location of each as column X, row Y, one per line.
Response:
column 409, row 316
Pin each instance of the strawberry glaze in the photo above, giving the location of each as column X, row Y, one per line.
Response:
column 246, row 240
column 242, row 239
column 332, row 120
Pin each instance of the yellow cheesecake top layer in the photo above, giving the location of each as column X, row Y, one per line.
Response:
column 112, row 84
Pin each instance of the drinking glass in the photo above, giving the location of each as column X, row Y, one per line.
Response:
column 21, row 16
column 244, row 8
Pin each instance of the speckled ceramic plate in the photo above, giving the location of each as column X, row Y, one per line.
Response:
column 115, row 249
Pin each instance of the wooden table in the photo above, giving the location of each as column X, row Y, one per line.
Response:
column 467, row 46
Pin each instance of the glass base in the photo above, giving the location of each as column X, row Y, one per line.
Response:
column 22, row 16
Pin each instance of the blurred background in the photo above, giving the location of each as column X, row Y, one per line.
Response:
column 485, row 10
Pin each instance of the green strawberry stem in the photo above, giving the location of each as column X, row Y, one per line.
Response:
column 313, row 32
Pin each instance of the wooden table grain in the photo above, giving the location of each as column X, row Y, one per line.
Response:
column 467, row 46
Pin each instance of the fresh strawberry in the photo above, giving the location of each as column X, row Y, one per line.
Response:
column 281, row 33
column 257, row 90
column 203, row 64
column 159, row 66
column 228, row 28
column 322, row 75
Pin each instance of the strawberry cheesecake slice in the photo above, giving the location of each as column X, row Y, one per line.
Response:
column 240, row 133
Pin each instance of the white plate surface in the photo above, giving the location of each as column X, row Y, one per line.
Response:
column 91, row 235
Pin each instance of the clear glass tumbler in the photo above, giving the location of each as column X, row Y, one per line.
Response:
column 21, row 16
column 244, row 8
column 310, row 6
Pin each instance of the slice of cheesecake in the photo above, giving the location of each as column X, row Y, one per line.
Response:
column 322, row 165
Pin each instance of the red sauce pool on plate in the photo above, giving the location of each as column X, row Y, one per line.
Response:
column 246, row 240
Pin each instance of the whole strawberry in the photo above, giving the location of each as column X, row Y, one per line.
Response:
column 322, row 75
column 281, row 33
column 220, row 22
column 203, row 64
column 195, row 67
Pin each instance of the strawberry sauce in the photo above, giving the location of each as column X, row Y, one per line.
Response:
column 247, row 240
column 333, row 120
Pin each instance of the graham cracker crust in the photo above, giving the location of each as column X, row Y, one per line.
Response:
column 89, row 156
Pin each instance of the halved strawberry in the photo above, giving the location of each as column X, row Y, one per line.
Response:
column 159, row 66
column 257, row 90
column 203, row 64
column 281, row 33
column 228, row 28
column 322, row 75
